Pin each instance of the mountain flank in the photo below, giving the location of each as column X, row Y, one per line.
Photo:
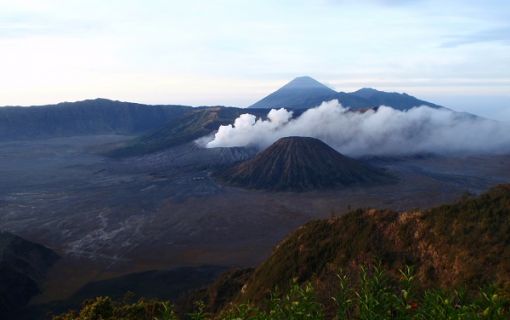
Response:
column 463, row 244
column 23, row 265
column 301, row 164
column 302, row 91
column 399, row 101
column 195, row 124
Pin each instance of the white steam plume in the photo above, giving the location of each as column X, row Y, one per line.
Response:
column 385, row 131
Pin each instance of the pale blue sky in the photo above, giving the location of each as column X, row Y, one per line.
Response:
column 455, row 53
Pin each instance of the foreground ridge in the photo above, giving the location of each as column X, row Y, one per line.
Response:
column 368, row 264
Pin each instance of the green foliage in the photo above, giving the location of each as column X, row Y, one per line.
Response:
column 374, row 296
column 465, row 243
column 104, row 308
column 200, row 313
column 299, row 303
column 344, row 297
column 370, row 295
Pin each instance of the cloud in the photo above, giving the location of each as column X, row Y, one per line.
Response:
column 385, row 131
column 376, row 2
column 22, row 25
column 501, row 35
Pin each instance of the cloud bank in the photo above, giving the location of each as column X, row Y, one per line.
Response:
column 384, row 131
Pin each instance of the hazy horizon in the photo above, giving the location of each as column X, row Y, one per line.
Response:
column 235, row 52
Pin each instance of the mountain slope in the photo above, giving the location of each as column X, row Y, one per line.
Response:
column 99, row 116
column 198, row 123
column 300, row 164
column 23, row 264
column 302, row 92
column 464, row 243
column 399, row 101
column 216, row 295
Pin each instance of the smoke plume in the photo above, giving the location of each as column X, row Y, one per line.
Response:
column 385, row 131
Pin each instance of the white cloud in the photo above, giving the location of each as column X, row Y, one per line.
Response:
column 386, row 131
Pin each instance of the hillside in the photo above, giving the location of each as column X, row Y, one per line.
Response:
column 198, row 123
column 463, row 244
column 368, row 264
column 23, row 265
column 99, row 116
column 217, row 294
column 301, row 164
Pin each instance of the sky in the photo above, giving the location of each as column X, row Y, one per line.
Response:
column 234, row 52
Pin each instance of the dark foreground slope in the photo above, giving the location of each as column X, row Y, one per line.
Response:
column 301, row 164
column 463, row 244
column 23, row 265
column 157, row 284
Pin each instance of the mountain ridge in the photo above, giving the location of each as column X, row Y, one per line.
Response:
column 305, row 92
column 93, row 116
column 464, row 243
column 105, row 116
column 399, row 101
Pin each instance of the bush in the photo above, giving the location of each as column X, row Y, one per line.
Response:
column 372, row 295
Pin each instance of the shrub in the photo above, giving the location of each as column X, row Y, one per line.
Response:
column 372, row 295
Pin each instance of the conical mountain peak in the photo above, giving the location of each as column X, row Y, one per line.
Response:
column 305, row 82
column 300, row 93
column 301, row 164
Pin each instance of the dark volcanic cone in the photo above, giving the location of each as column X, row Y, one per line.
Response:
column 301, row 164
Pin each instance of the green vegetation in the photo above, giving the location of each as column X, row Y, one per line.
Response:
column 464, row 245
column 371, row 295
column 104, row 308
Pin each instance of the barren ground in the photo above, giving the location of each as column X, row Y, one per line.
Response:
column 108, row 217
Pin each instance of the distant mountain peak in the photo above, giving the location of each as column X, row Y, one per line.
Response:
column 305, row 82
column 305, row 92
column 302, row 92
column 366, row 92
